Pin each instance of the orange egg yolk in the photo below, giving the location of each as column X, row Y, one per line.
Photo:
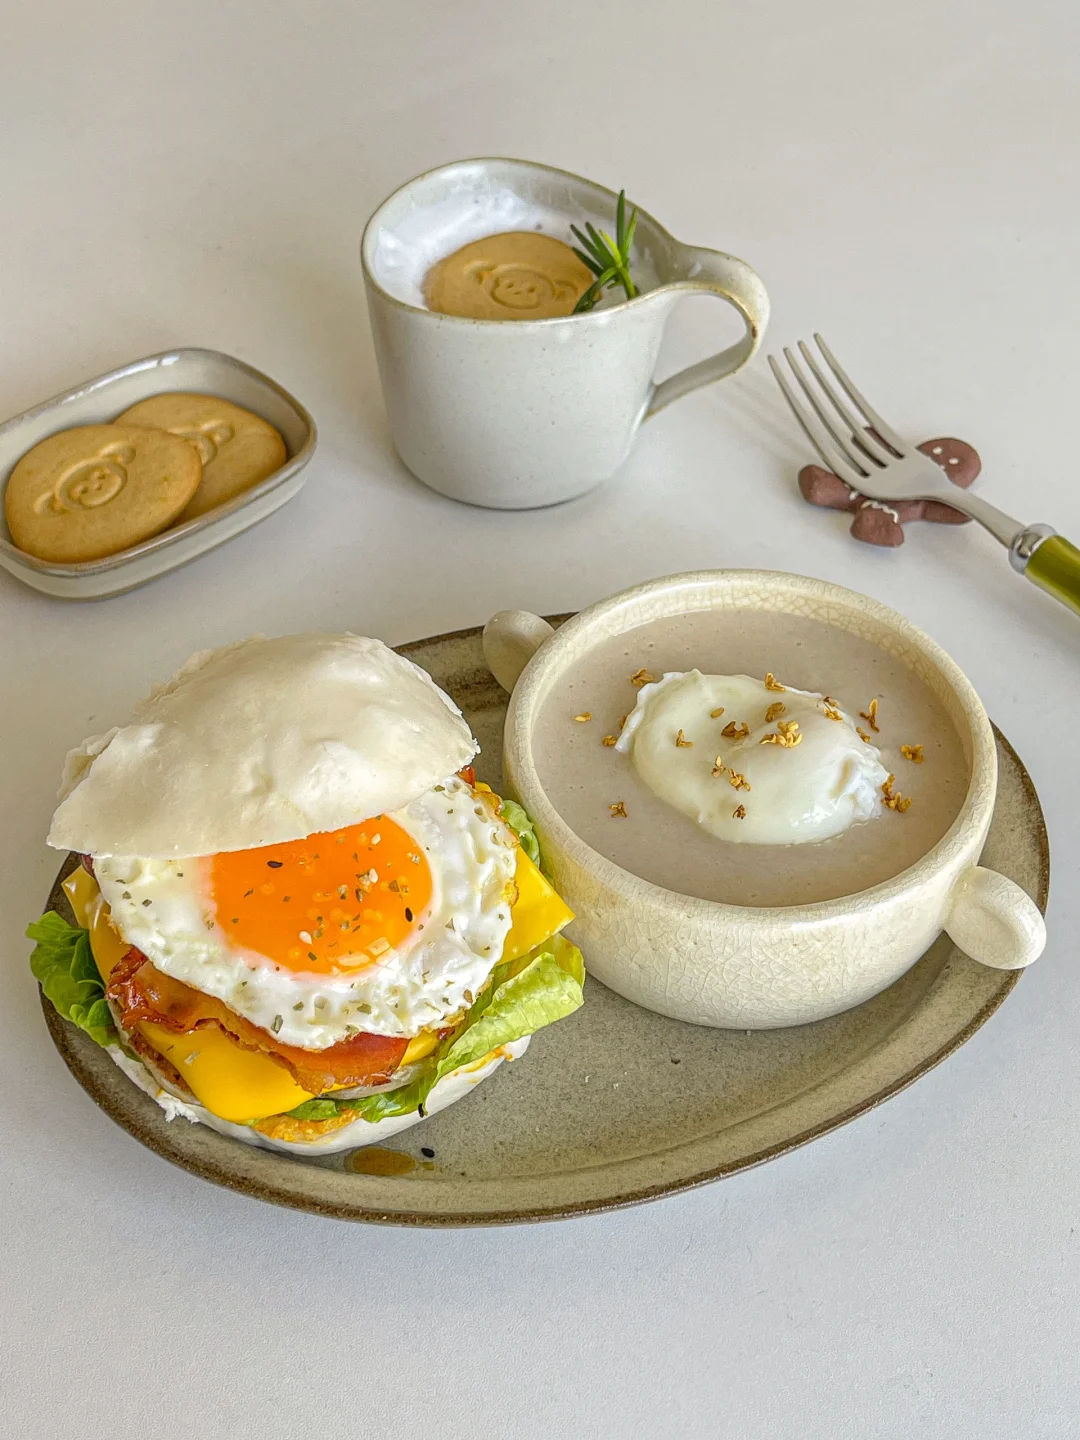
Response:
column 327, row 903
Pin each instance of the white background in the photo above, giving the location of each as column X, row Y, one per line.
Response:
column 904, row 177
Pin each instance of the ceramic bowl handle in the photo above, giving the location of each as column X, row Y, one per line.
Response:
column 994, row 921
column 713, row 273
column 511, row 639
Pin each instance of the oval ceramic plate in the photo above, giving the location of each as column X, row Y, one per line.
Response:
column 614, row 1105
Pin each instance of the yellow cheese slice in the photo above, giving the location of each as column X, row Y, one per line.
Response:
column 239, row 1085
column 420, row 1046
column 246, row 1085
column 538, row 913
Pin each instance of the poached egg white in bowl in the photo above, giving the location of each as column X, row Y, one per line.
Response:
column 796, row 765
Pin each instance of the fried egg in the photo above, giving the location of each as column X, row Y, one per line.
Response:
column 753, row 762
column 390, row 926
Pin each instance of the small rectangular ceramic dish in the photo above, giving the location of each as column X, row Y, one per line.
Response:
column 99, row 401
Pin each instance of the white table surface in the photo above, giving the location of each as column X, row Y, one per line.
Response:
column 904, row 178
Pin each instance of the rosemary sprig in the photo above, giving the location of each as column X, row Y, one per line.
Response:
column 609, row 260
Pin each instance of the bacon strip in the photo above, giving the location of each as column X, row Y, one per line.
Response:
column 142, row 1047
column 142, row 992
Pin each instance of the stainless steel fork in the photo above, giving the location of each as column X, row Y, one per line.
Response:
column 868, row 454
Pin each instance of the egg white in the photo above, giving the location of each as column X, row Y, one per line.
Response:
column 165, row 909
column 811, row 791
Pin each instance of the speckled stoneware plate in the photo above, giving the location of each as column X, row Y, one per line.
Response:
column 614, row 1105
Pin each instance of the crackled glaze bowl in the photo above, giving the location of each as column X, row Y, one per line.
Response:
column 761, row 967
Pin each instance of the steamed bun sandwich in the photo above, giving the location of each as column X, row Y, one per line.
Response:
column 300, row 919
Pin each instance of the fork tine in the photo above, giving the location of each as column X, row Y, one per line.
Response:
column 844, row 443
column 887, row 433
column 865, row 441
column 816, row 433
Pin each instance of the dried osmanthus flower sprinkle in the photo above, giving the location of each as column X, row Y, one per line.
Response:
column 642, row 677
column 739, row 813
column 894, row 800
column 786, row 735
column 682, row 742
column 719, row 767
column 914, row 753
column 863, row 736
column 832, row 710
column 737, row 781
column 771, row 683
column 715, row 714
column 583, row 717
column 870, row 715
column 731, row 731
column 609, row 741
column 775, row 710
column 619, row 808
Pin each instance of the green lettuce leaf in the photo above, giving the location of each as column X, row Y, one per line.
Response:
column 315, row 1110
column 518, row 820
column 522, row 998
column 536, row 996
column 63, row 964
column 402, row 1101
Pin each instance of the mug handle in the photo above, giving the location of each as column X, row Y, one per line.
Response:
column 711, row 272
column 511, row 638
column 994, row 921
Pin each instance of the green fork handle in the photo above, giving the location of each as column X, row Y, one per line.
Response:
column 1049, row 561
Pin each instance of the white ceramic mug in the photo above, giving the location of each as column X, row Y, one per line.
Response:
column 755, row 968
column 519, row 413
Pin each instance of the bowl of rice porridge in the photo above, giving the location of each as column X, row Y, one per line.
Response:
column 763, row 795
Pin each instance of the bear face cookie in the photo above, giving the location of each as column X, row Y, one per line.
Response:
column 236, row 448
column 86, row 493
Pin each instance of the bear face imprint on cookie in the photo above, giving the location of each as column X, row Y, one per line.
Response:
column 208, row 438
column 88, row 483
